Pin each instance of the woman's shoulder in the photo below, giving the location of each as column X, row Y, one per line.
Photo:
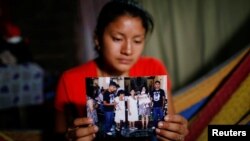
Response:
column 130, row 96
column 149, row 60
column 153, row 66
column 87, row 69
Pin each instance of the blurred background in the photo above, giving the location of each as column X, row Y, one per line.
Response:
column 196, row 39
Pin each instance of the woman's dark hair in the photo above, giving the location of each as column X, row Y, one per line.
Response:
column 157, row 81
column 121, row 92
column 117, row 8
column 146, row 89
column 131, row 90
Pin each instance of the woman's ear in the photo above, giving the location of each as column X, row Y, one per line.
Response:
column 97, row 45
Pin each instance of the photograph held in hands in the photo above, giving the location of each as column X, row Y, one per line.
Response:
column 126, row 107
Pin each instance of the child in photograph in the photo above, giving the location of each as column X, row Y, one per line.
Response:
column 132, row 110
column 144, row 107
column 119, row 109
column 99, row 99
column 91, row 109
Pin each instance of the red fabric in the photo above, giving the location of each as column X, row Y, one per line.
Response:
column 71, row 87
column 219, row 99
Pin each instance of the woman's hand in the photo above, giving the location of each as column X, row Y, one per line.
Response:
column 83, row 130
column 174, row 127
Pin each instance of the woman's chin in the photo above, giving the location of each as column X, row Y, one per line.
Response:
column 123, row 69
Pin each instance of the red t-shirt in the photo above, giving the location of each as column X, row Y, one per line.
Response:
column 72, row 88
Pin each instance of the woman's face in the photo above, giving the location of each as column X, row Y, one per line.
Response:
column 143, row 89
column 132, row 92
column 123, row 43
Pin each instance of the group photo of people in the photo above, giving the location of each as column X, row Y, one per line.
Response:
column 127, row 106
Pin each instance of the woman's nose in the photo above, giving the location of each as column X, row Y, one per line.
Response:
column 127, row 48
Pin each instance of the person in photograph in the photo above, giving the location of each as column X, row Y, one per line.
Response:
column 120, row 109
column 132, row 110
column 120, row 35
column 144, row 107
column 91, row 109
column 99, row 99
column 158, row 103
column 118, row 89
column 108, row 103
column 91, row 103
column 96, row 89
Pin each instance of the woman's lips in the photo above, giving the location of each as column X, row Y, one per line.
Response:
column 125, row 61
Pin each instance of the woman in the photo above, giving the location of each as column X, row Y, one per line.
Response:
column 120, row 109
column 144, row 107
column 120, row 36
column 132, row 110
column 91, row 109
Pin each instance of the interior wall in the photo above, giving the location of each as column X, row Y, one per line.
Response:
column 189, row 37
column 192, row 37
column 49, row 25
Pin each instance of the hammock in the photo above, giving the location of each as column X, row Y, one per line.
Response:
column 215, row 97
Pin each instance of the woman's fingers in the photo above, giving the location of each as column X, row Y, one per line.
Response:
column 168, row 135
column 160, row 138
column 87, row 138
column 176, row 118
column 81, row 132
column 174, row 127
column 82, row 121
column 83, row 129
column 177, row 121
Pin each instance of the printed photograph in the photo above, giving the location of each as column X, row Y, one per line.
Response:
column 127, row 106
